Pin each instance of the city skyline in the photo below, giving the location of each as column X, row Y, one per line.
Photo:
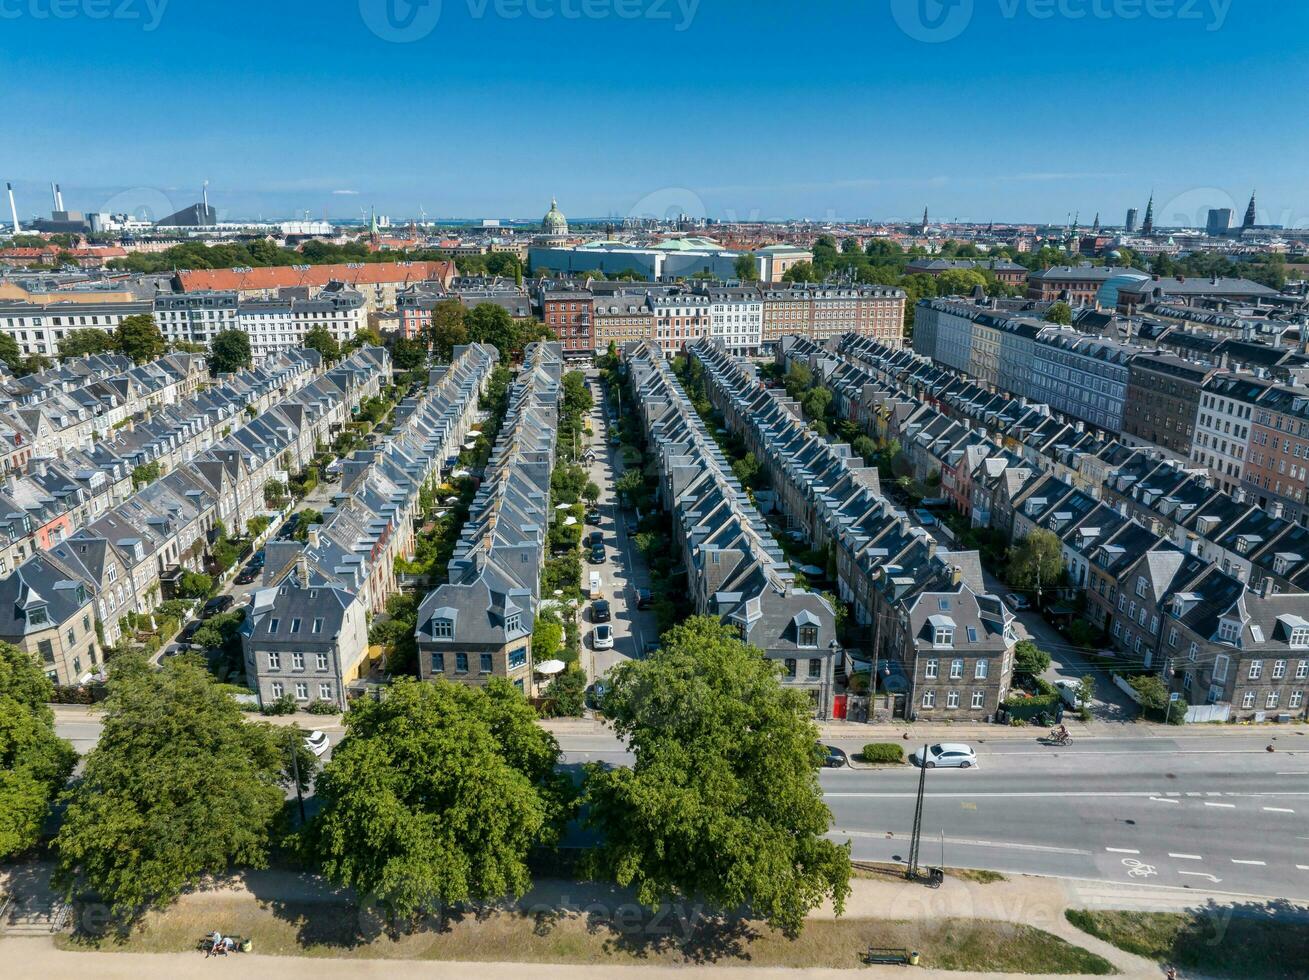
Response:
column 836, row 114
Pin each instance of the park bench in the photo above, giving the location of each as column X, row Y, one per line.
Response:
column 887, row 956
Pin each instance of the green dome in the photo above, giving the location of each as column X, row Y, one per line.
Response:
column 554, row 222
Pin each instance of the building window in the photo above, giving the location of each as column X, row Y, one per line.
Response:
column 1193, row 650
column 1279, row 669
column 295, row 626
column 1272, row 699
column 325, row 691
column 1247, row 699
column 929, row 699
column 518, row 658
column 979, row 699
column 1302, row 670
column 297, row 661
column 1300, row 636
column 321, row 660
column 273, row 624
column 943, row 637
column 461, row 663
column 438, row 663
column 808, row 636
column 486, row 663
column 274, row 660
column 318, row 626
column 815, row 668
column 1256, row 669
column 1220, row 668
column 443, row 629
column 512, row 624
column 982, row 669
column 952, row 699
column 301, row 691
column 929, row 669
column 790, row 668
column 276, row 688
column 1297, row 697
column 956, row 669
column 1228, row 631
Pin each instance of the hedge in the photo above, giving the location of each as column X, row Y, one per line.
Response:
column 883, row 752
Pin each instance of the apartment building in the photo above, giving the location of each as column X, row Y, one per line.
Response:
column 570, row 315
column 38, row 328
column 379, row 283
column 1275, row 471
column 1162, row 402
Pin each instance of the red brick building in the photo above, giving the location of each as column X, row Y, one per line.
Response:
column 571, row 316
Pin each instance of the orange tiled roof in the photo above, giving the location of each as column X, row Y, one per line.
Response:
column 280, row 276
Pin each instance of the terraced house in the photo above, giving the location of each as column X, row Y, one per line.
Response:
column 897, row 578
column 305, row 632
column 478, row 625
column 736, row 571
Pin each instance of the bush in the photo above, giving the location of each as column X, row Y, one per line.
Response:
column 285, row 705
column 566, row 693
column 1030, row 659
column 320, row 707
column 882, row 752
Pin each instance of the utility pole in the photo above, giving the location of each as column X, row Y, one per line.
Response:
column 912, row 872
column 295, row 773
column 877, row 646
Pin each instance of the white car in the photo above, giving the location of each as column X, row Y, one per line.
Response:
column 1016, row 602
column 948, row 755
column 317, row 742
column 602, row 637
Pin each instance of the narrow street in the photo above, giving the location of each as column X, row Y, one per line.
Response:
column 624, row 570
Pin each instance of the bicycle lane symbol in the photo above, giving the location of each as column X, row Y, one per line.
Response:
column 1139, row 869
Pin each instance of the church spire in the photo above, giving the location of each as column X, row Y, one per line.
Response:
column 1249, row 214
column 1147, row 226
column 1095, row 227
column 925, row 222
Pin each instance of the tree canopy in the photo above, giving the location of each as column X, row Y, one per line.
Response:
column 1036, row 561
column 34, row 762
column 1060, row 313
column 321, row 340
column 448, row 329
column 230, row 351
column 88, row 340
column 437, row 794
column 491, row 324
column 178, row 787
column 723, row 800
column 139, row 338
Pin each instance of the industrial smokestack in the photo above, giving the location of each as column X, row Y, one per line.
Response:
column 13, row 208
column 54, row 195
column 204, row 193
column 59, row 198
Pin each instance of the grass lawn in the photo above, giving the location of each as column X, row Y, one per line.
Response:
column 1247, row 942
column 620, row 936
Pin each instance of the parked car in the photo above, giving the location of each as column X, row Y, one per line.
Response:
column 594, row 588
column 1015, row 601
column 833, row 758
column 593, row 515
column 947, row 755
column 925, row 518
column 258, row 560
column 247, row 575
column 594, row 695
column 218, row 604
column 1070, row 691
column 595, row 538
column 600, row 611
column 317, row 742
column 598, row 555
column 644, row 599
column 189, row 630
column 602, row 637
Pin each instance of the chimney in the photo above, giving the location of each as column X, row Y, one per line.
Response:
column 302, row 571
column 1275, row 509
column 54, row 195
column 59, row 198
column 956, row 575
column 315, row 535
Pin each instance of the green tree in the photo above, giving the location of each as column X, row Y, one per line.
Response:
column 1059, row 312
column 1151, row 692
column 10, row 353
column 1037, row 561
column 408, row 355
column 746, row 469
column 139, row 338
column 34, row 762
column 437, row 794
column 630, row 483
column 1030, row 659
column 448, row 329
column 800, row 272
column 960, row 282
column 865, row 447
column 321, row 340
column 591, row 493
column 195, row 585
column 816, row 401
column 78, row 343
column 568, row 692
column 491, row 324
column 747, row 267
column 799, row 379
column 547, row 636
column 723, row 800
column 179, row 787
column 229, row 351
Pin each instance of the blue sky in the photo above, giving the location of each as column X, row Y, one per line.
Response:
column 981, row 109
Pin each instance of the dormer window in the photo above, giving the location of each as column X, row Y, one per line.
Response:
column 443, row 629
column 1229, row 631
column 513, row 623
column 943, row 636
column 1300, row 637
column 37, row 616
column 808, row 636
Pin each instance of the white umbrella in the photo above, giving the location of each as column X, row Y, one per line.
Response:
column 570, row 520
column 551, row 667
column 458, row 473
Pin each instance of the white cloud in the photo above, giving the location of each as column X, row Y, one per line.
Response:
column 346, row 193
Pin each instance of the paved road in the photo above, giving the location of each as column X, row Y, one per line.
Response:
column 624, row 569
column 1214, row 811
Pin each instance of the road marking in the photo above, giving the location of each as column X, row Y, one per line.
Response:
column 1202, row 874
column 1227, row 806
column 1239, row 861
column 1302, row 867
column 1122, row 850
column 1160, row 799
column 1278, row 809
column 962, row 841
column 1186, row 857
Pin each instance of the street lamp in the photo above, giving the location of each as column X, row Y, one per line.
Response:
column 835, row 647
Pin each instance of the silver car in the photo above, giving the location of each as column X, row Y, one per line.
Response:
column 948, row 755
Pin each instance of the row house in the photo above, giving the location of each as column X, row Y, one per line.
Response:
column 305, row 632
column 478, row 625
column 892, row 572
column 736, row 572
column 127, row 558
